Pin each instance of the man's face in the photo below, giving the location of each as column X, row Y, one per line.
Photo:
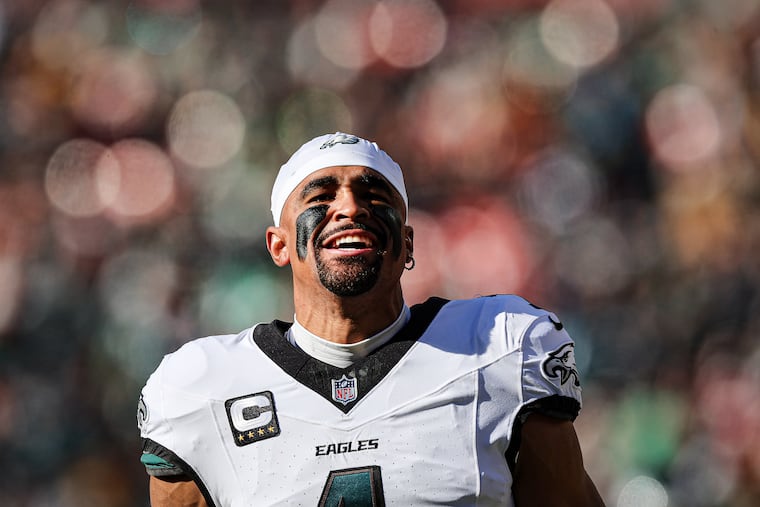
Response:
column 346, row 224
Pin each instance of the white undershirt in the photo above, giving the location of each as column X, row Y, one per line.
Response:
column 339, row 354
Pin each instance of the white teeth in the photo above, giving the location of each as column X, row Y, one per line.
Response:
column 346, row 240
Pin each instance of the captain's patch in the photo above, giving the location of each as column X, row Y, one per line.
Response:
column 559, row 366
column 252, row 418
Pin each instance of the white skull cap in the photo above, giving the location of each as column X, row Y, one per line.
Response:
column 330, row 150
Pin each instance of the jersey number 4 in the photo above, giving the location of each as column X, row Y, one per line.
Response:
column 353, row 487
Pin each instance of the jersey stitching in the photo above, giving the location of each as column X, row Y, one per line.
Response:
column 220, row 430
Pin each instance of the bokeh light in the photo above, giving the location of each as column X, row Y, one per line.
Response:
column 643, row 491
column 341, row 32
column 407, row 33
column 114, row 91
column 66, row 29
column 140, row 186
column 683, row 127
column 205, row 129
column 309, row 63
column 461, row 121
column 71, row 176
column 561, row 188
column 580, row 33
column 486, row 243
column 530, row 68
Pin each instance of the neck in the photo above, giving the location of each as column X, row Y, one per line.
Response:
column 348, row 319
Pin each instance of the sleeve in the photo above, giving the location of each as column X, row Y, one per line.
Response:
column 158, row 460
column 550, row 380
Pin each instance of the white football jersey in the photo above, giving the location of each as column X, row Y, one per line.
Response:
column 430, row 418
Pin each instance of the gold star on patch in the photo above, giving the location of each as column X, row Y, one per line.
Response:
column 251, row 434
column 270, row 429
column 261, row 432
column 241, row 437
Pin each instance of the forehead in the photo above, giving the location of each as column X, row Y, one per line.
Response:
column 328, row 177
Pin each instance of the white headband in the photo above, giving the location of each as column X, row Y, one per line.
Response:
column 330, row 150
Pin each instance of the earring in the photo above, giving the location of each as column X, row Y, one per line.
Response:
column 411, row 266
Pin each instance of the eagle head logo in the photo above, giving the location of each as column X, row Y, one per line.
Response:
column 560, row 365
column 339, row 138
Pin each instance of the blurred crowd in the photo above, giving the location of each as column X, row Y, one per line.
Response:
column 599, row 157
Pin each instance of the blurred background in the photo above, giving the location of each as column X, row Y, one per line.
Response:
column 599, row 157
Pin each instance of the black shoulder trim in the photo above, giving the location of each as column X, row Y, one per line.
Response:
column 159, row 450
column 369, row 371
column 559, row 407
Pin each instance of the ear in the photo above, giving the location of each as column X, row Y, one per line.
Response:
column 409, row 240
column 277, row 246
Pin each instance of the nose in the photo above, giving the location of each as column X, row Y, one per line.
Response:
column 350, row 206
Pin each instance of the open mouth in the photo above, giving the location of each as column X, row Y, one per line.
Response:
column 350, row 242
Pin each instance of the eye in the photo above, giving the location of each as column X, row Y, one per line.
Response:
column 321, row 197
column 378, row 196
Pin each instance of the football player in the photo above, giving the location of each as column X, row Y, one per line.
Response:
column 363, row 400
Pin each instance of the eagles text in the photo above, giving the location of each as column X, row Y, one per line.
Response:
column 343, row 447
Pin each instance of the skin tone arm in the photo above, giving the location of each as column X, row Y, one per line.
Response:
column 550, row 467
column 175, row 492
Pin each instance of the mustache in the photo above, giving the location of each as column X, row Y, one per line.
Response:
column 380, row 234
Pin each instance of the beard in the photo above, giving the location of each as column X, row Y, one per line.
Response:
column 350, row 277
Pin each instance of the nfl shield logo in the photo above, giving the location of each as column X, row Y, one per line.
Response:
column 344, row 390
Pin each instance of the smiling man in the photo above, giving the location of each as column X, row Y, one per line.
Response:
column 363, row 400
